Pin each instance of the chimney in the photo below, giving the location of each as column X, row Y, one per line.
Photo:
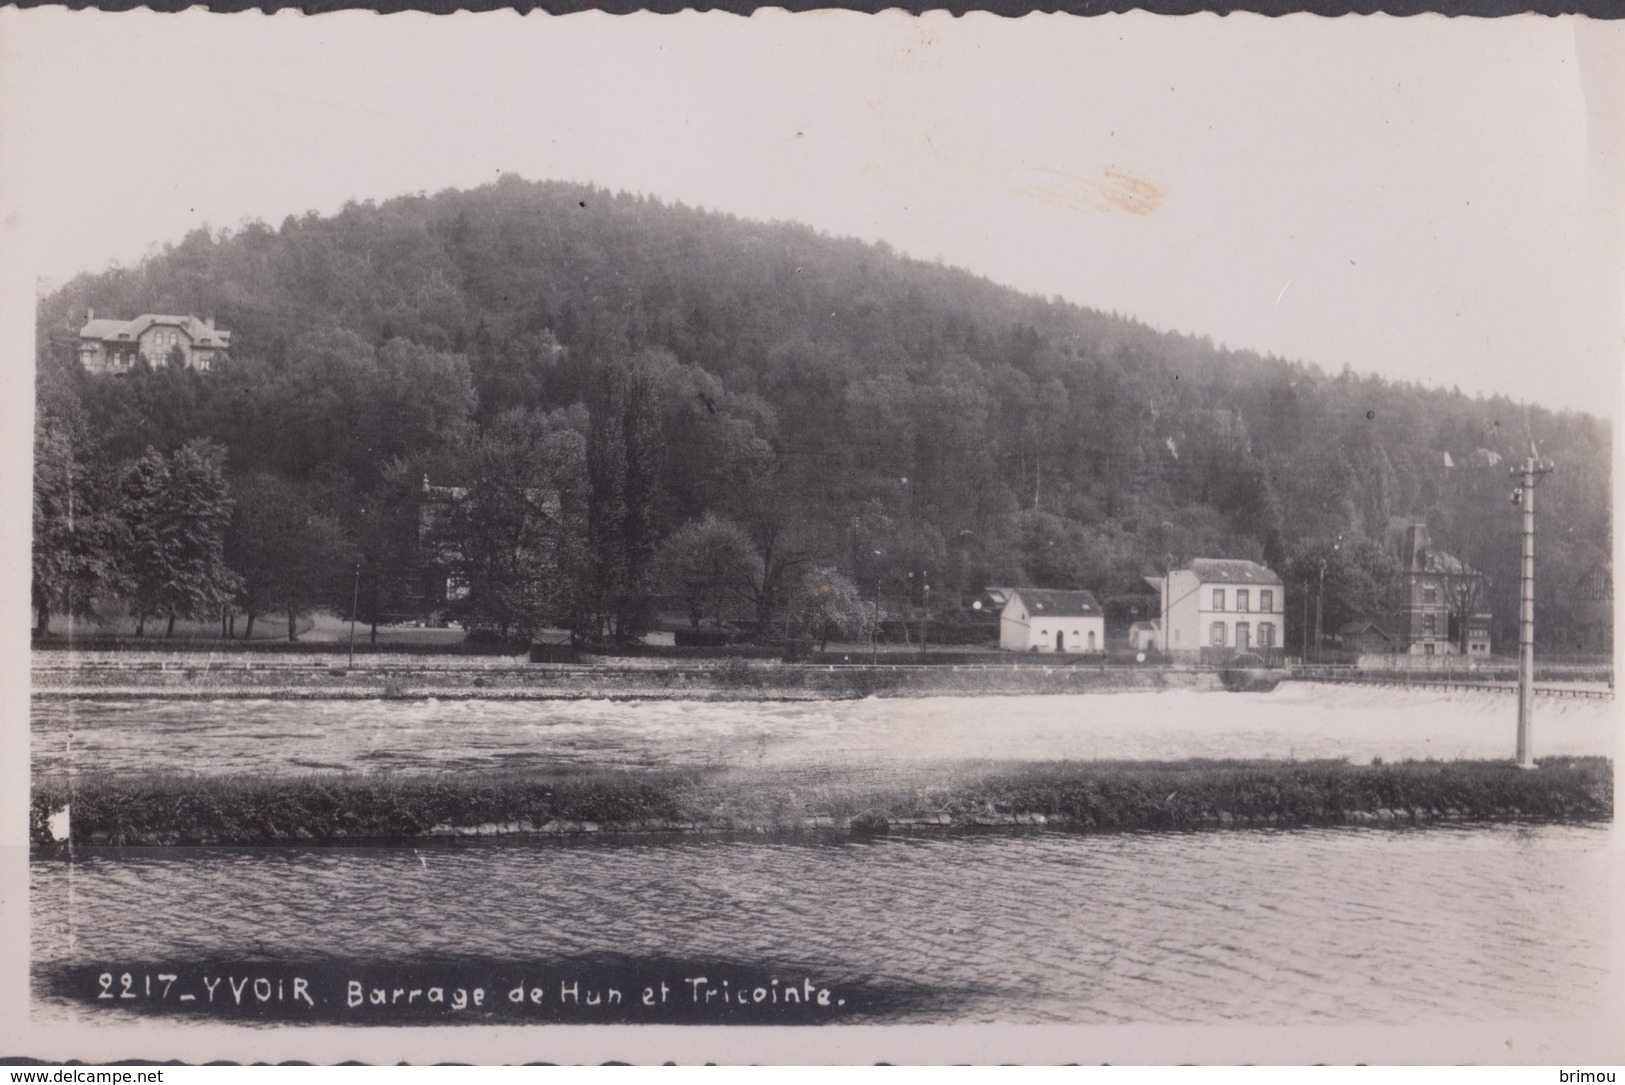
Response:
column 208, row 322
column 90, row 314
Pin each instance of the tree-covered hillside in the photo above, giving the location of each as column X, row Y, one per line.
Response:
column 639, row 400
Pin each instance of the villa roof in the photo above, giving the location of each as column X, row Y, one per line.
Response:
column 128, row 331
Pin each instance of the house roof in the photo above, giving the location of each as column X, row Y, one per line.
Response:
column 128, row 331
column 1231, row 571
column 443, row 493
column 1437, row 561
column 1597, row 581
column 1353, row 628
column 1050, row 603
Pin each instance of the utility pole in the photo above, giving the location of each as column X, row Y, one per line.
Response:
column 1320, row 597
column 925, row 611
column 874, row 629
column 1305, row 625
column 355, row 597
column 1167, row 602
column 874, row 632
column 1533, row 471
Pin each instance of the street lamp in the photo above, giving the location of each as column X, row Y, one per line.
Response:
column 925, row 605
column 1167, row 603
column 874, row 627
column 1305, row 626
column 1320, row 597
column 925, row 612
column 355, row 597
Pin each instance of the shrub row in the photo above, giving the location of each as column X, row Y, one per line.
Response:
column 1089, row 795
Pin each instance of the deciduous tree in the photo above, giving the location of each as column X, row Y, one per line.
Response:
column 292, row 556
column 827, row 603
column 178, row 508
column 512, row 536
column 79, row 537
column 706, row 562
column 623, row 461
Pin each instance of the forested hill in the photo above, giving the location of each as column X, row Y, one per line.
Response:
column 829, row 403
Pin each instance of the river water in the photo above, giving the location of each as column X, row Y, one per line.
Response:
column 1277, row 927
column 1387, row 926
column 1299, row 720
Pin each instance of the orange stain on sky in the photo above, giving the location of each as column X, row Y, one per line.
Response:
column 1114, row 190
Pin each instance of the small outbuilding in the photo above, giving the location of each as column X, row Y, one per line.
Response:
column 1047, row 620
column 1364, row 636
column 1145, row 636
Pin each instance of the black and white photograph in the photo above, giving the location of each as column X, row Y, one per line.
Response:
column 817, row 538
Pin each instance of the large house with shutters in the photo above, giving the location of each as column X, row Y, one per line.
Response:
column 1045, row 620
column 115, row 346
column 1216, row 608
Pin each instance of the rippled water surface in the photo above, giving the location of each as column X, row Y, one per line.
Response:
column 1298, row 720
column 1398, row 926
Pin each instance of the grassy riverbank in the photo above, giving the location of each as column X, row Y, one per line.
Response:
column 1069, row 795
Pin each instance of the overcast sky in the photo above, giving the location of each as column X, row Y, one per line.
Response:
column 1428, row 199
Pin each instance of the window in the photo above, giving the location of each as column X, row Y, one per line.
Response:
column 1266, row 599
column 1216, row 634
column 1430, row 594
column 1430, row 625
column 1266, row 633
column 1242, row 599
column 1218, row 598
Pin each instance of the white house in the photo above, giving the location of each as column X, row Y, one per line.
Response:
column 1043, row 620
column 1217, row 607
